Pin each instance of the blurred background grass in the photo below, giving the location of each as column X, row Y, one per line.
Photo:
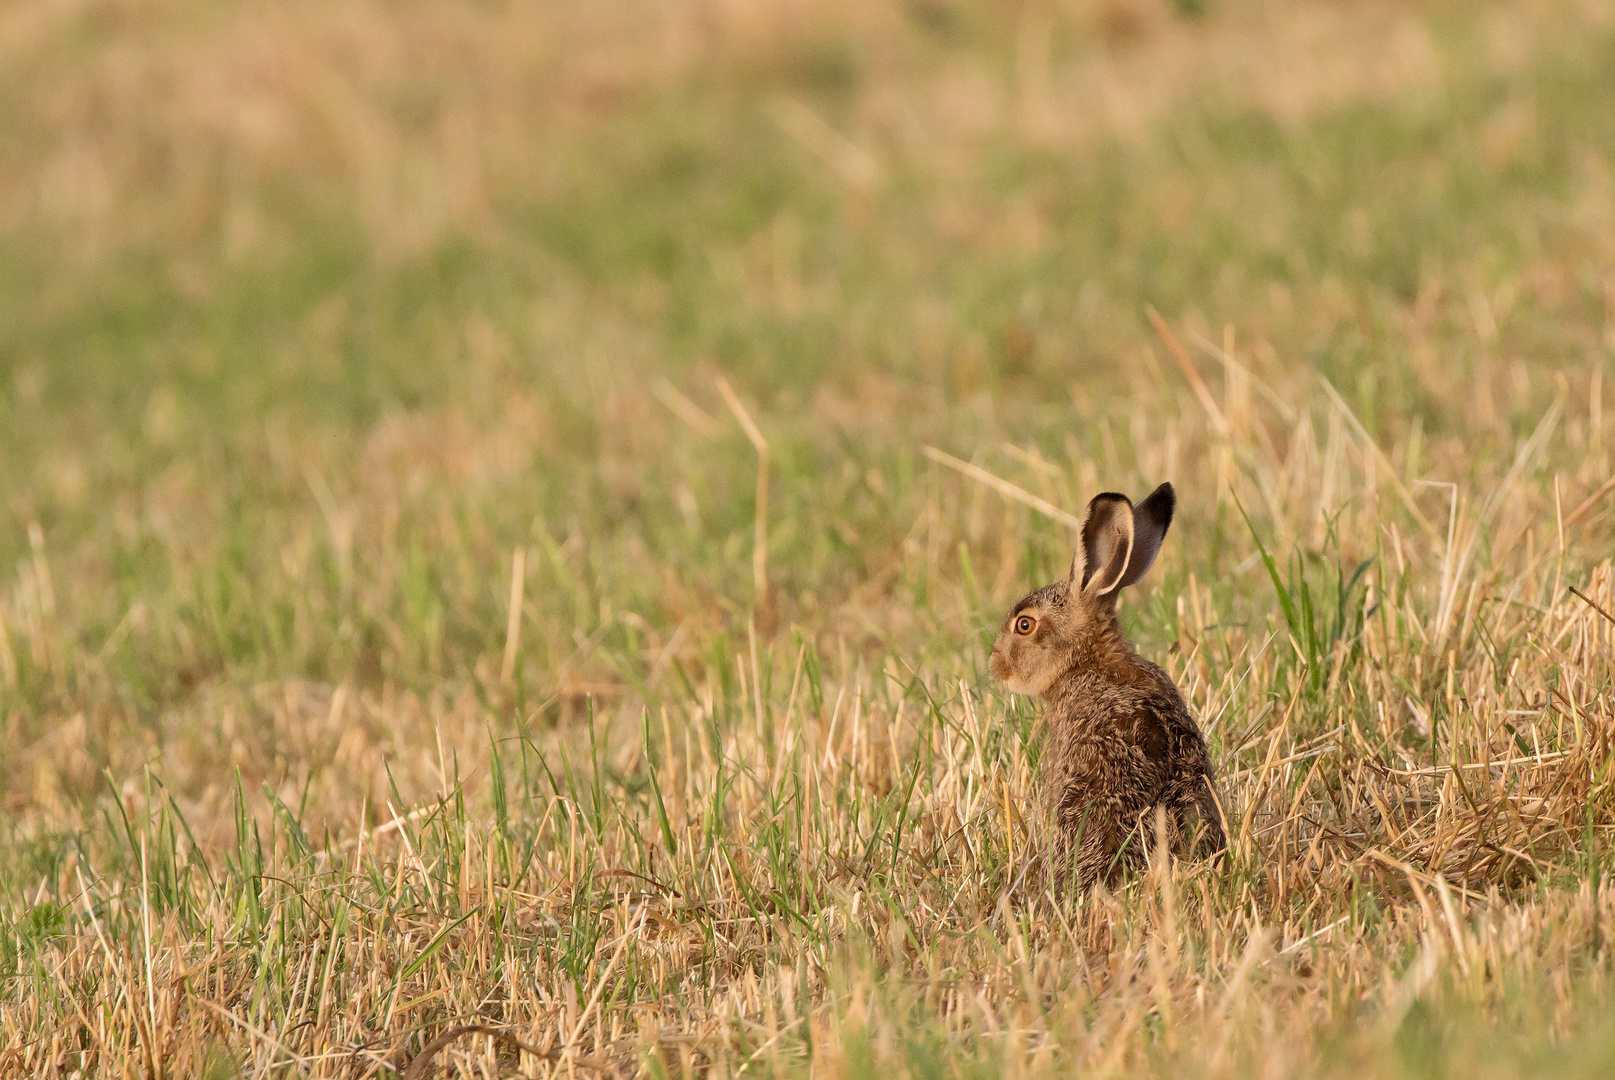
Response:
column 434, row 254
column 312, row 312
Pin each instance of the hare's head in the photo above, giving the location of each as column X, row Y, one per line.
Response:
column 1051, row 630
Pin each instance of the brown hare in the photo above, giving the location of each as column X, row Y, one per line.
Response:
column 1121, row 742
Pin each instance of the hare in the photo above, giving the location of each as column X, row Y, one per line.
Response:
column 1121, row 743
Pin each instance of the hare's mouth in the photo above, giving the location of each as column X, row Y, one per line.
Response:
column 1020, row 686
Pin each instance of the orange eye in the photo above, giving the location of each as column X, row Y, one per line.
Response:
column 1025, row 624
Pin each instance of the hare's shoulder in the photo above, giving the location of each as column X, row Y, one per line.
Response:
column 1166, row 697
column 1129, row 704
column 1186, row 752
column 1110, row 734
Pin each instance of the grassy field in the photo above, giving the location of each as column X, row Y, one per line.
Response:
column 482, row 539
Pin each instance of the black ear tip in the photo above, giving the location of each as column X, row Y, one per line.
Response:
column 1163, row 501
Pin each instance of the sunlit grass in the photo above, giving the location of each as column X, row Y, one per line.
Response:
column 318, row 325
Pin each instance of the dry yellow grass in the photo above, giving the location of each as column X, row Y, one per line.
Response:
column 290, row 788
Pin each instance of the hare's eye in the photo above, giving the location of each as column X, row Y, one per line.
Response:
column 1024, row 624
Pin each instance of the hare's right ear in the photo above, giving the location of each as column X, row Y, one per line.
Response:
column 1107, row 546
column 1151, row 519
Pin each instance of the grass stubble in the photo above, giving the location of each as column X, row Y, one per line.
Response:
column 536, row 704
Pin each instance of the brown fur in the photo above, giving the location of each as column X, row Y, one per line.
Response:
column 1121, row 740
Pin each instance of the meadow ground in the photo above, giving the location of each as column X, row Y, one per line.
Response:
column 397, row 632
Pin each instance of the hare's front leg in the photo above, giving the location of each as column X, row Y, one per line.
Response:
column 1097, row 844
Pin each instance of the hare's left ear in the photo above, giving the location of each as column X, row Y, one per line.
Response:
column 1151, row 519
column 1107, row 544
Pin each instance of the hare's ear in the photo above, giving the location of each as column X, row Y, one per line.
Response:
column 1151, row 519
column 1107, row 544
